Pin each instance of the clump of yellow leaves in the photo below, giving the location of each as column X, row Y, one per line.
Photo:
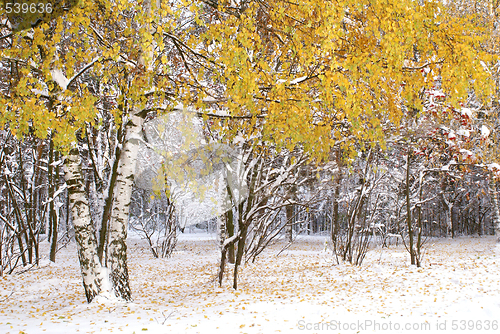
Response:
column 309, row 70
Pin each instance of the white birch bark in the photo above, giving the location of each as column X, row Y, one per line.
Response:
column 84, row 229
column 448, row 206
column 117, row 248
column 118, row 225
column 496, row 209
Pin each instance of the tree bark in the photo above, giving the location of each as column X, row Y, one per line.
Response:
column 106, row 214
column 408, row 210
column 448, row 209
column 84, row 229
column 53, row 179
column 230, row 232
column 221, row 228
column 117, row 248
column 335, row 228
column 290, row 216
column 289, row 223
column 418, row 255
column 496, row 210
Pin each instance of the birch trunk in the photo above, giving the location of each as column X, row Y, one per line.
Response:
column 106, row 213
column 84, row 229
column 335, row 228
column 496, row 209
column 408, row 209
column 448, row 206
column 221, row 231
column 117, row 248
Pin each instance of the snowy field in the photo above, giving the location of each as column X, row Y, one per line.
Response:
column 299, row 291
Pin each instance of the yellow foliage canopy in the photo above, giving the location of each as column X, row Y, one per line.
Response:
column 309, row 66
column 303, row 71
column 59, row 75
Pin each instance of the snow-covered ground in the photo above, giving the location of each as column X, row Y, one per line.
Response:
column 301, row 290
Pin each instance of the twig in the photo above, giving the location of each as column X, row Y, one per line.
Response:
column 30, row 268
column 165, row 318
column 285, row 247
column 85, row 68
column 5, row 36
column 1, row 301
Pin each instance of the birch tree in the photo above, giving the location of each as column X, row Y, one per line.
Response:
column 53, row 70
column 90, row 265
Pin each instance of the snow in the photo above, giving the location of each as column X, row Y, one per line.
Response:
column 485, row 132
column 295, row 292
column 466, row 153
column 466, row 112
column 493, row 166
column 485, row 67
column 436, row 93
column 298, row 80
column 210, row 99
column 447, row 166
column 464, row 132
column 58, row 76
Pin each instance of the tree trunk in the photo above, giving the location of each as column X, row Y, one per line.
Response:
column 27, row 208
column 106, row 213
column 84, row 229
column 50, row 187
column 418, row 254
column 239, row 253
column 244, row 222
column 117, row 248
column 289, row 215
column 494, row 202
column 289, row 223
column 230, row 232
column 335, row 228
column 53, row 179
column 221, row 227
column 448, row 208
column 408, row 210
